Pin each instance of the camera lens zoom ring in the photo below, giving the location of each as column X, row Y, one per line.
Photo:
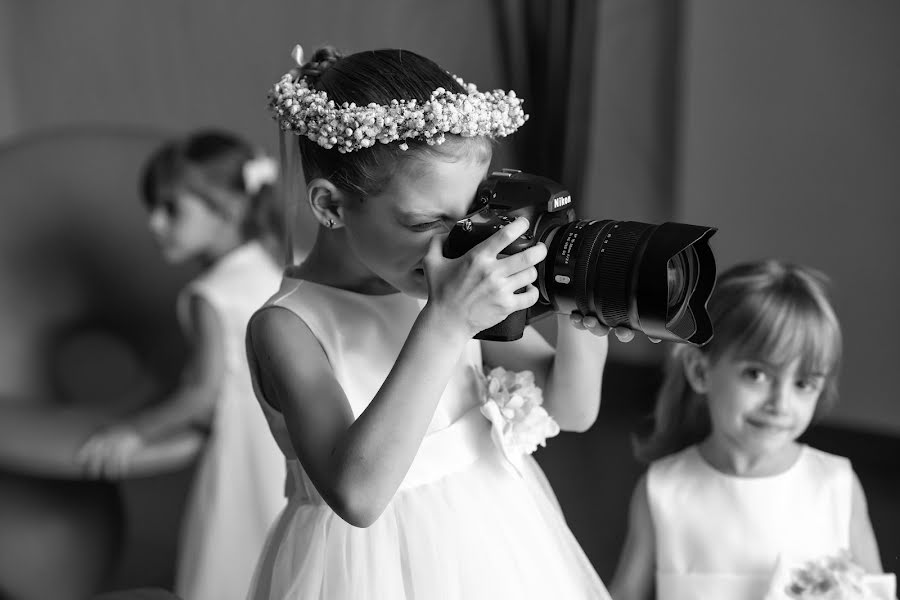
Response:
column 614, row 263
column 582, row 271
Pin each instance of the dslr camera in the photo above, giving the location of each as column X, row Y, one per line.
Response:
column 655, row 279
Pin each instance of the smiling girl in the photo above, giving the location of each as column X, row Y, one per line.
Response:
column 730, row 490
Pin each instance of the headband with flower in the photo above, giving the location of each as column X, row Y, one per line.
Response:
column 348, row 127
column 259, row 171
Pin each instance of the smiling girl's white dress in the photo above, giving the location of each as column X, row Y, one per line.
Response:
column 463, row 525
column 719, row 536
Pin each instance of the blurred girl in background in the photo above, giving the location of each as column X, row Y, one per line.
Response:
column 210, row 198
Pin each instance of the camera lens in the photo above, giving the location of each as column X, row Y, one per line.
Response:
column 681, row 276
column 655, row 279
column 675, row 278
column 651, row 278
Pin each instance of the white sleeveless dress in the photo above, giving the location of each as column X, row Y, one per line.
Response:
column 238, row 487
column 720, row 536
column 463, row 525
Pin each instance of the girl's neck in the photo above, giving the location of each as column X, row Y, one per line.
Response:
column 331, row 263
column 221, row 247
column 729, row 459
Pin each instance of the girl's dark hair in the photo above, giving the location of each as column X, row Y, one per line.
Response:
column 377, row 76
column 210, row 164
column 768, row 309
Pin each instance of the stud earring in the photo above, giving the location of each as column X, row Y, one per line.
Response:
column 330, row 223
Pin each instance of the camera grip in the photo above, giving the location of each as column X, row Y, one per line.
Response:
column 509, row 329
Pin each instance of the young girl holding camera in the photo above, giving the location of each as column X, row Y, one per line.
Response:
column 730, row 491
column 366, row 368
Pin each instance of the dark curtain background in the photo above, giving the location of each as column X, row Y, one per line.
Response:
column 600, row 80
column 602, row 83
column 548, row 52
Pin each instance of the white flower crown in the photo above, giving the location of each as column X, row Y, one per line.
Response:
column 348, row 127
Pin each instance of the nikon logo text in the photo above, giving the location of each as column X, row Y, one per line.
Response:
column 561, row 201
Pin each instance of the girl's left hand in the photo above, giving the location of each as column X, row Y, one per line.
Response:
column 592, row 324
column 109, row 453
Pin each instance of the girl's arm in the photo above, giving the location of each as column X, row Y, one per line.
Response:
column 863, row 546
column 193, row 402
column 571, row 376
column 113, row 450
column 634, row 578
column 358, row 465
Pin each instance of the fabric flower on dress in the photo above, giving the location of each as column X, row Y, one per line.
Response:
column 519, row 424
column 833, row 577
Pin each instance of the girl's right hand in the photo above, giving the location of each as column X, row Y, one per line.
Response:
column 108, row 453
column 479, row 289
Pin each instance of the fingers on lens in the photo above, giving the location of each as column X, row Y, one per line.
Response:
column 624, row 335
column 524, row 260
column 522, row 278
column 525, row 297
column 537, row 253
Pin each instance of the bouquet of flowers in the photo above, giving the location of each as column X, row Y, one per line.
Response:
column 833, row 577
column 512, row 403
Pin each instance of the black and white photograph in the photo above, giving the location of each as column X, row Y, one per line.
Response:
column 429, row 300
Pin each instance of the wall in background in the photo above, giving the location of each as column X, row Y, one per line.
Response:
column 7, row 91
column 791, row 146
column 176, row 66
column 179, row 65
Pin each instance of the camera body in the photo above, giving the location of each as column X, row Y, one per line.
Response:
column 503, row 197
column 651, row 278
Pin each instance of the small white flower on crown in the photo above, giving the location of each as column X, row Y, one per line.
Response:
column 259, row 171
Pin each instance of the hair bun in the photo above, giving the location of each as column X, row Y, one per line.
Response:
column 321, row 61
